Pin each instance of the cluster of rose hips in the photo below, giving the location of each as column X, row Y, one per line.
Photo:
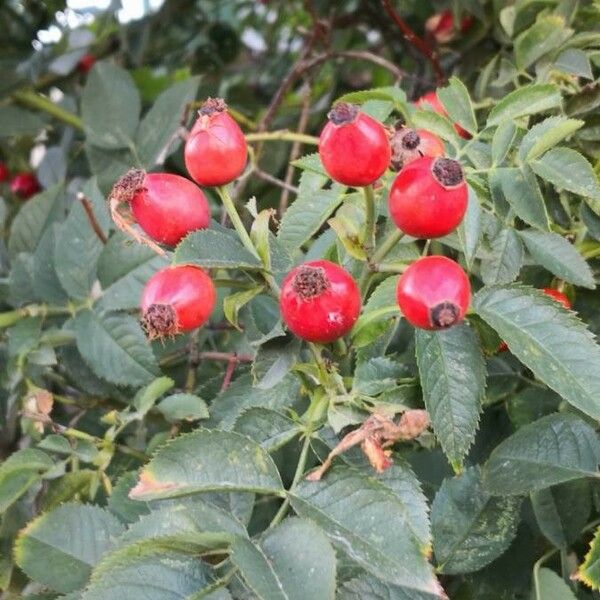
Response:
column 24, row 185
column 319, row 300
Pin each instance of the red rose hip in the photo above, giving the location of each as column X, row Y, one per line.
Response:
column 409, row 144
column 432, row 101
column 433, row 293
column 428, row 198
column 558, row 296
column 85, row 63
column 25, row 185
column 176, row 299
column 4, row 172
column 166, row 206
column 215, row 151
column 319, row 301
column 354, row 148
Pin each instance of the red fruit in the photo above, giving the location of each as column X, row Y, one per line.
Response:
column 176, row 299
column 428, row 198
column 442, row 28
column 216, row 151
column 24, row 185
column 409, row 144
column 433, row 293
column 4, row 172
column 319, row 301
column 86, row 62
column 354, row 148
column 558, row 296
column 431, row 99
column 166, row 206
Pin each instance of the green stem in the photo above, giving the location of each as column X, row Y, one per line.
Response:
column 40, row 102
column 33, row 310
column 380, row 253
column 282, row 135
column 369, row 219
column 236, row 220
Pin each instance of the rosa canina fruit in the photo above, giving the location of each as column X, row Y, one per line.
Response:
column 354, row 148
column 428, row 198
column 442, row 29
column 25, row 185
column 431, row 99
column 4, row 172
column 409, row 144
column 166, row 206
column 433, row 293
column 319, row 301
column 85, row 63
column 176, row 299
column 215, row 151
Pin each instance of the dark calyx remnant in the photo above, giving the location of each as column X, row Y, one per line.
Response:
column 213, row 105
column 448, row 172
column 343, row 113
column 128, row 185
column 411, row 139
column 159, row 321
column 310, row 282
column 444, row 314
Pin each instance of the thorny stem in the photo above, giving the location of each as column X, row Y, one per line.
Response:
column 40, row 102
column 380, row 253
column 282, row 135
column 236, row 220
column 89, row 211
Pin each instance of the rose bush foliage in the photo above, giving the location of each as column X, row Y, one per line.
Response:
column 177, row 468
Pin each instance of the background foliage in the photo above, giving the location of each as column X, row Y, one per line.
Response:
column 215, row 430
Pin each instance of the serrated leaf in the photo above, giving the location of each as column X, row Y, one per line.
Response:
column 119, row 504
column 110, row 107
column 183, row 407
column 456, row 100
column 368, row 587
column 522, row 192
column 502, row 141
column 232, row 304
column 469, row 230
column 376, row 375
column 552, row 450
column 33, row 219
column 575, row 62
column 210, row 248
column 60, row 548
column 275, row 570
column 154, row 137
column 115, row 348
column 311, row 208
column 550, row 586
column 45, row 280
column 567, row 169
column 527, row 100
column 274, row 360
column 545, row 135
column 362, row 517
column 556, row 254
column 438, row 124
column 395, row 95
column 16, row 121
column 546, row 34
column 208, row 461
column 269, row 428
column 310, row 162
column 452, row 373
column 506, row 258
column 548, row 339
column 19, row 472
column 589, row 572
column 471, row 528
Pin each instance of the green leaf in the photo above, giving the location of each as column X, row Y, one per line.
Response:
column 110, row 107
column 275, row 570
column 502, row 141
column 376, row 375
column 544, row 36
column 60, row 548
column 19, row 472
column 469, row 230
column 33, row 219
column 452, row 373
column 115, row 348
column 232, row 304
column 527, row 100
column 151, row 574
column 77, row 246
column 16, row 121
column 211, row 248
column 368, row 587
column 438, row 124
column 551, row 450
column 456, row 100
column 156, row 133
column 362, row 516
column 45, row 281
column 562, row 511
column 574, row 62
column 550, row 586
column 274, row 360
column 556, row 254
column 312, row 207
column 208, row 461
column 589, row 572
column 545, row 135
column 506, row 259
column 471, row 528
column 546, row 338
column 310, row 162
column 395, row 95
column 123, row 270
column 521, row 190
column 146, row 397
column 567, row 169
column 119, row 504
column 183, row 407
column 269, row 428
